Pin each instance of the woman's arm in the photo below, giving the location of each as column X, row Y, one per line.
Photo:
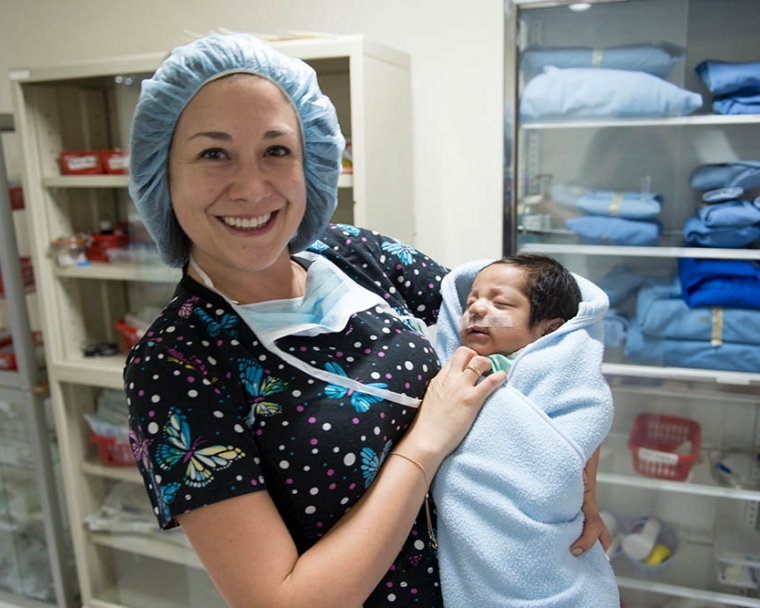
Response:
column 593, row 525
column 248, row 552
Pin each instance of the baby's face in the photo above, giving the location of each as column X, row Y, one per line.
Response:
column 497, row 315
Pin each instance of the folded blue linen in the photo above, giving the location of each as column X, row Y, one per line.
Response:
column 619, row 283
column 597, row 230
column 656, row 59
column 711, row 176
column 697, row 234
column 628, row 205
column 729, row 356
column 730, row 105
column 509, row 497
column 615, row 328
column 730, row 214
column 726, row 77
column 720, row 195
column 601, row 93
column 727, row 283
column 661, row 312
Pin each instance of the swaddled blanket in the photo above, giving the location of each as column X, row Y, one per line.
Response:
column 509, row 498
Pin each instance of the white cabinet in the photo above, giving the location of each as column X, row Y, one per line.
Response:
column 88, row 106
column 584, row 144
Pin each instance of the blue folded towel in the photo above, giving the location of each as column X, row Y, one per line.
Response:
column 619, row 283
column 726, row 77
column 728, row 356
column 662, row 313
column 615, row 328
column 727, row 283
column 720, row 195
column 597, row 230
column 697, row 233
column 657, row 59
column 736, row 105
column 730, row 214
column 628, row 205
column 744, row 174
column 509, row 498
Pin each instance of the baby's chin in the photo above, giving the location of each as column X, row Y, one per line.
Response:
column 476, row 346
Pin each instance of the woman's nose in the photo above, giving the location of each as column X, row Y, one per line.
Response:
column 249, row 182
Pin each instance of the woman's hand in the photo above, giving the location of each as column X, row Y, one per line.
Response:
column 593, row 526
column 451, row 403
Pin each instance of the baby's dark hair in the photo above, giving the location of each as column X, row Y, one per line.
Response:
column 550, row 287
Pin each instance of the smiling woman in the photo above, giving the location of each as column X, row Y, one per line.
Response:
column 237, row 186
column 267, row 399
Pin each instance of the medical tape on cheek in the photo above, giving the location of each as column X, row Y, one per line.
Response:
column 470, row 320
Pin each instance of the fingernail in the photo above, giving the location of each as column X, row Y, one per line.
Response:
column 576, row 551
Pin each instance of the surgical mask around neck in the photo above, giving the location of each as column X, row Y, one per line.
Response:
column 331, row 298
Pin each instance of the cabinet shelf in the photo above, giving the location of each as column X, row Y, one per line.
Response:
column 680, row 373
column 346, row 180
column 616, row 467
column 643, row 252
column 103, row 372
column 669, row 121
column 150, row 546
column 96, row 468
column 121, row 271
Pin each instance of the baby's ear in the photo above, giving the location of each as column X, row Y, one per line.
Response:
column 551, row 325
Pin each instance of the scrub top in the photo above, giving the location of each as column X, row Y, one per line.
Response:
column 214, row 414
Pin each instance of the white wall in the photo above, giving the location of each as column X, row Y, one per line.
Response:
column 457, row 82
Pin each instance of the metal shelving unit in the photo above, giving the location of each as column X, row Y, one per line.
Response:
column 26, row 387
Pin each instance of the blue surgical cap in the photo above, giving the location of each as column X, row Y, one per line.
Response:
column 162, row 100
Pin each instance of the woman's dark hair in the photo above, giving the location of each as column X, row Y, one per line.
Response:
column 550, row 287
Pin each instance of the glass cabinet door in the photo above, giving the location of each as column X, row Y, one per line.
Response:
column 632, row 157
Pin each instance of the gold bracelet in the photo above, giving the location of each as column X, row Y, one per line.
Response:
column 431, row 533
column 413, row 461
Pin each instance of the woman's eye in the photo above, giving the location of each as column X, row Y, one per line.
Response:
column 213, row 154
column 277, row 151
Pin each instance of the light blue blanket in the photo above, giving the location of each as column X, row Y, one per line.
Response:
column 509, row 498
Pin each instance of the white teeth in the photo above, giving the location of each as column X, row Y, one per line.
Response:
column 246, row 222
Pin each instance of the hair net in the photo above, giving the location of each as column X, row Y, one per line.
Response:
column 163, row 98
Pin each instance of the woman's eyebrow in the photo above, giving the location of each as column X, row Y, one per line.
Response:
column 218, row 135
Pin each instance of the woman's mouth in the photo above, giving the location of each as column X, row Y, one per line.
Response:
column 246, row 223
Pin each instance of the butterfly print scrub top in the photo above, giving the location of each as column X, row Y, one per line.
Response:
column 213, row 414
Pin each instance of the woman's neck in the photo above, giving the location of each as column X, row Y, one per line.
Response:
column 283, row 280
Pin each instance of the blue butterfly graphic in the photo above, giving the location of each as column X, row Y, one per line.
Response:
column 352, row 230
column 319, row 246
column 165, row 496
column 214, row 327
column 371, row 463
column 201, row 461
column 402, row 250
column 260, row 387
column 360, row 401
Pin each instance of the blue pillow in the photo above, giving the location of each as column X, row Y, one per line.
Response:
column 657, row 59
column 601, row 93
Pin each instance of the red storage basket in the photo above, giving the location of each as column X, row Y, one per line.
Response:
column 101, row 243
column 129, row 334
column 17, row 197
column 27, row 274
column 113, row 452
column 81, row 162
column 653, row 441
column 115, row 162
